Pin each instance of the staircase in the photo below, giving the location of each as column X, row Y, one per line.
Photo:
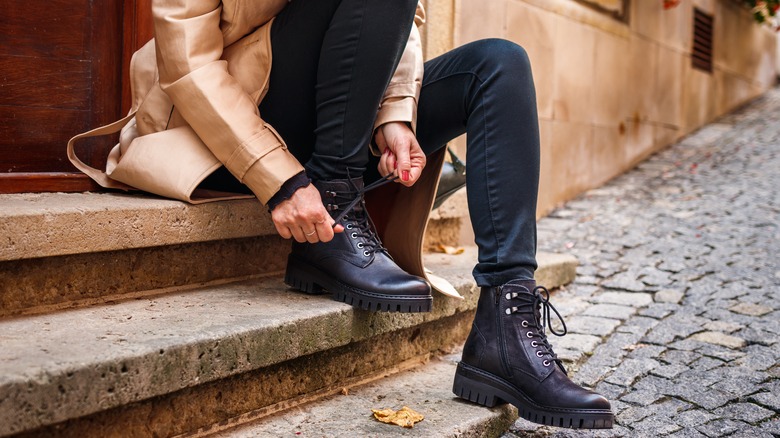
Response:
column 136, row 316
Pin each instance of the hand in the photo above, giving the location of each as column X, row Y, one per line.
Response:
column 304, row 218
column 401, row 153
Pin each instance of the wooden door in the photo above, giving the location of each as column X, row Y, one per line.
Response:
column 61, row 73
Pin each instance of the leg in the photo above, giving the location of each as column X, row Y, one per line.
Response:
column 332, row 60
column 485, row 89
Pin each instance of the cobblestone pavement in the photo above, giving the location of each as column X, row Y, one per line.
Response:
column 675, row 313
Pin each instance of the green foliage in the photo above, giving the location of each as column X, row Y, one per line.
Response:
column 764, row 11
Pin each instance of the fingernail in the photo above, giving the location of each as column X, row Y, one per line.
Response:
column 405, row 175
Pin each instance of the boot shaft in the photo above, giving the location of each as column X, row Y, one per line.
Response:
column 337, row 194
column 508, row 326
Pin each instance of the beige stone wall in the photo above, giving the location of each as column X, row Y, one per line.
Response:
column 611, row 92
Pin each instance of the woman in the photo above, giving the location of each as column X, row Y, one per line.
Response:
column 347, row 78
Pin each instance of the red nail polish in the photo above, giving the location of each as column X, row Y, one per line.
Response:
column 405, row 175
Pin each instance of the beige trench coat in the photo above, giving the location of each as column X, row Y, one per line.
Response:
column 196, row 89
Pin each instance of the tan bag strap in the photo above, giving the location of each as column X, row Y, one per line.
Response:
column 99, row 176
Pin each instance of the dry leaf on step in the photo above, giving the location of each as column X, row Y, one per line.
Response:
column 451, row 250
column 404, row 417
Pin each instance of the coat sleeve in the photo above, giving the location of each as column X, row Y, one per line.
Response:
column 399, row 103
column 189, row 47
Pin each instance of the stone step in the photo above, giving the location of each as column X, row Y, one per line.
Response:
column 177, row 362
column 64, row 250
column 426, row 389
column 60, row 250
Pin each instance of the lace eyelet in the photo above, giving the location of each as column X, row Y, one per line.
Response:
column 349, row 226
column 524, row 323
column 534, row 344
column 529, row 335
column 366, row 253
column 539, row 353
column 360, row 245
column 353, row 235
column 546, row 363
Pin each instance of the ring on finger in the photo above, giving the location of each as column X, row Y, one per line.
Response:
column 311, row 234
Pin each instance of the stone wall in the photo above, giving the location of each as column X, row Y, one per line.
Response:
column 613, row 90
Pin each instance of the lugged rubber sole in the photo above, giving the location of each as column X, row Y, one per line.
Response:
column 309, row 279
column 488, row 390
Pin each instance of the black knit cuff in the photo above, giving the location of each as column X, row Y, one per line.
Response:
column 289, row 187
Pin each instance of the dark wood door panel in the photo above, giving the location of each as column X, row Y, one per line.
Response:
column 33, row 138
column 52, row 28
column 45, row 82
column 60, row 74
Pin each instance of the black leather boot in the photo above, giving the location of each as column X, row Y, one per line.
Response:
column 507, row 358
column 354, row 266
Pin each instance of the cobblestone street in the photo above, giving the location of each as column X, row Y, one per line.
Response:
column 675, row 312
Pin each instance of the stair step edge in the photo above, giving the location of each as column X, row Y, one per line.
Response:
column 37, row 225
column 427, row 389
column 144, row 348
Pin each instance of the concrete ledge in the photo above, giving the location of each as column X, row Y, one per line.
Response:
column 70, row 364
column 54, row 224
column 36, row 225
column 426, row 389
column 269, row 390
column 48, row 284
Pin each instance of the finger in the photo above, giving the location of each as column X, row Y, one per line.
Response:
column 311, row 236
column 284, row 232
column 404, row 163
column 417, row 169
column 324, row 231
column 383, row 167
column 337, row 228
column 414, row 175
column 392, row 163
column 297, row 233
column 282, row 229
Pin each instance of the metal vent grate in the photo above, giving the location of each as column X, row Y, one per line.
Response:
column 702, row 40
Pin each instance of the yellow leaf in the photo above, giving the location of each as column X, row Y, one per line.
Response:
column 404, row 417
column 451, row 250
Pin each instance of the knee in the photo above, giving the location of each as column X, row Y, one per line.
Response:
column 502, row 55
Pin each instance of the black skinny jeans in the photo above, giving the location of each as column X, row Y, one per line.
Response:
column 332, row 62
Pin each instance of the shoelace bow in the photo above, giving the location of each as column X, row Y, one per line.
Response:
column 542, row 310
column 365, row 228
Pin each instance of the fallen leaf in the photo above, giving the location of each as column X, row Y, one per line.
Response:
column 404, row 417
column 451, row 250
column 345, row 391
column 442, row 285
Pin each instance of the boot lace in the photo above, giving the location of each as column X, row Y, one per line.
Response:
column 538, row 304
column 353, row 212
